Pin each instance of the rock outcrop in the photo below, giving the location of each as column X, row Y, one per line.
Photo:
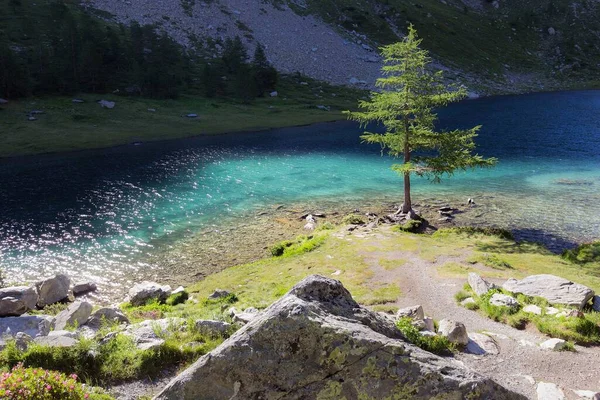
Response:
column 17, row 300
column 555, row 289
column 317, row 342
column 53, row 290
column 74, row 316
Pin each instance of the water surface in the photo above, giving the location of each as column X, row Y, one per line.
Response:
column 102, row 214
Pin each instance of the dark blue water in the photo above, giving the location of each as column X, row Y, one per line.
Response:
column 98, row 214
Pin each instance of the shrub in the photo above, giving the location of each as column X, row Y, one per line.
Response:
column 411, row 226
column 302, row 244
column 434, row 344
column 469, row 231
column 32, row 383
column 461, row 295
column 353, row 219
column 588, row 252
column 177, row 298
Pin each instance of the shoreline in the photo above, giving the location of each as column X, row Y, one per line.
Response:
column 243, row 131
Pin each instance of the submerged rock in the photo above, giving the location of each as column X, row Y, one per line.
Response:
column 317, row 342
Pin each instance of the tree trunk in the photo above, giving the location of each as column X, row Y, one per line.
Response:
column 407, row 206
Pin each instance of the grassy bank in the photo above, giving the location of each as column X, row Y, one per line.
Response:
column 68, row 126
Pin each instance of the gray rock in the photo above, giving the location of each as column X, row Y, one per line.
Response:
column 56, row 341
column 596, row 303
column 33, row 325
column 555, row 289
column 211, row 327
column 77, row 101
column 503, row 300
column 310, row 226
column 53, row 290
column 549, row 391
column 429, row 325
column 17, row 300
column 532, row 309
column 317, row 342
column 146, row 291
column 152, row 110
column 192, row 115
column 74, row 316
column 107, row 104
column 218, row 294
column 480, row 344
column 106, row 315
column 414, row 312
column 587, row 394
column 22, row 341
column 553, row 344
column 83, row 288
column 246, row 316
column 273, row 94
column 152, row 333
column 479, row 285
column 551, row 31
column 456, row 332
column 3, row 101
column 70, row 334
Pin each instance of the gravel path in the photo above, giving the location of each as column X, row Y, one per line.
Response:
column 520, row 363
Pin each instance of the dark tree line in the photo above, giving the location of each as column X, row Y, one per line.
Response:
column 76, row 52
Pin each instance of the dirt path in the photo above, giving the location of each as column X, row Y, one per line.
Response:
column 520, row 363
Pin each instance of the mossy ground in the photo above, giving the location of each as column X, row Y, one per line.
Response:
column 68, row 126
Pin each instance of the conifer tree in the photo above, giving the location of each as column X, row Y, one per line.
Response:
column 265, row 76
column 409, row 94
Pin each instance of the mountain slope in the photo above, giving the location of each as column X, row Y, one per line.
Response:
column 499, row 46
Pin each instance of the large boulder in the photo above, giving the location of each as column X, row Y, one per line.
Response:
column 17, row 300
column 33, row 325
column 479, row 285
column 75, row 315
column 82, row 288
column 317, row 342
column 108, row 315
column 553, row 288
column 454, row 331
column 146, row 291
column 53, row 290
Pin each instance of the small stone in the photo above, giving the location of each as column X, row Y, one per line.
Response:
column 218, row 294
column 549, row 391
column 274, row 94
column 310, row 226
column 532, row 309
column 336, row 273
column 503, row 300
column 529, row 379
column 192, row 115
column 212, row 327
column 107, row 104
column 414, row 312
column 3, row 101
column 180, row 289
column 553, row 344
column 152, row 110
column 455, row 332
column 77, row 101
column 429, row 325
column 551, row 31
column 22, row 341
column 246, row 316
column 552, row 311
column 468, row 300
column 146, row 291
column 108, row 315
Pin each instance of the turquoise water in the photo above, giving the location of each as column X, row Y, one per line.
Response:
column 101, row 214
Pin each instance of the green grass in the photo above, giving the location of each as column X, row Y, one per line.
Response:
column 68, row 126
column 435, row 344
column 302, row 244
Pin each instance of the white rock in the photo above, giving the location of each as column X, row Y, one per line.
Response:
column 549, row 391
column 479, row 285
column 414, row 312
column 587, row 394
column 468, row 300
column 456, row 332
column 529, row 379
column 553, row 344
column 480, row 344
column 552, row 311
column 554, row 289
column 532, row 309
column 107, row 104
column 503, row 300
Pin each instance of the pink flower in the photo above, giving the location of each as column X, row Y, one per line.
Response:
column 85, row 396
column 48, row 387
column 74, row 376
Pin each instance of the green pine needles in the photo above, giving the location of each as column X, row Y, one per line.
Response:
column 409, row 93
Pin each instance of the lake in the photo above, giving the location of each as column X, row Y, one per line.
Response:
column 102, row 214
